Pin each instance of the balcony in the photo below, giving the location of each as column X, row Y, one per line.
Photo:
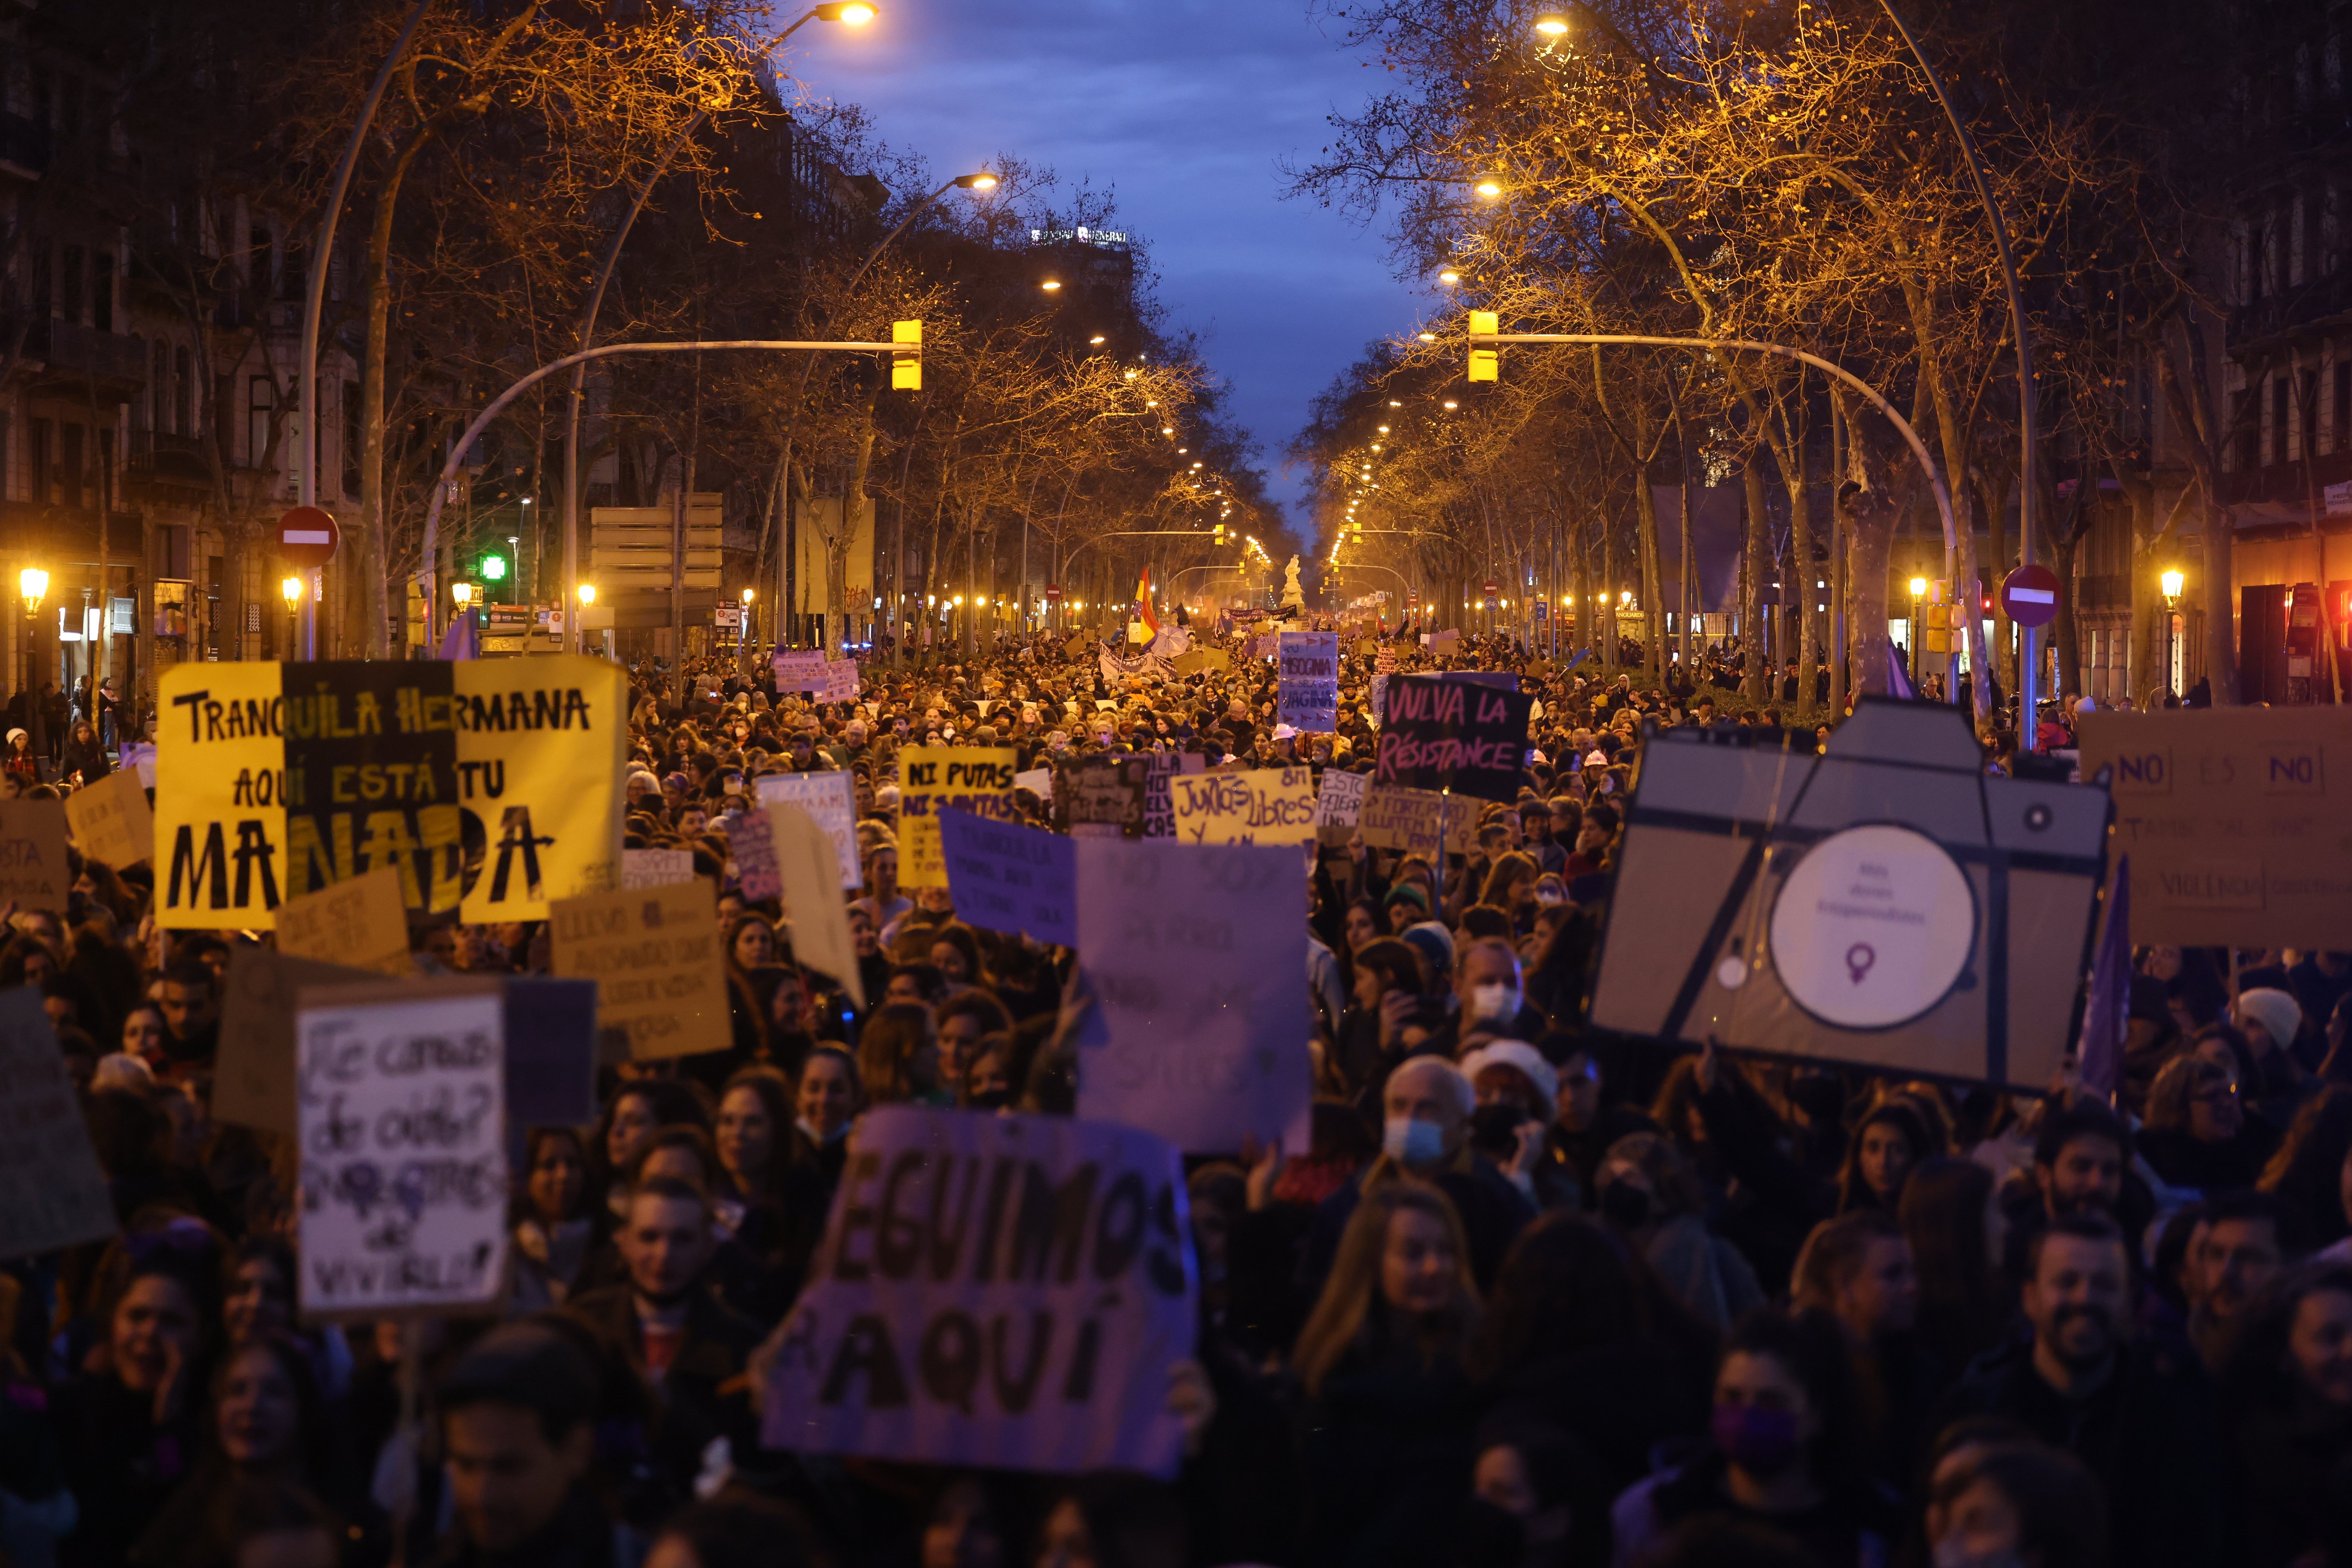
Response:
column 2307, row 304
column 24, row 147
column 158, row 462
column 72, row 354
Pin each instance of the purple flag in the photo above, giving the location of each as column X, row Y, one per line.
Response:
column 1898, row 684
column 2107, row 1013
column 460, row 641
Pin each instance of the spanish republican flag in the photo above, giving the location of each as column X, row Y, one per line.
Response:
column 1143, row 603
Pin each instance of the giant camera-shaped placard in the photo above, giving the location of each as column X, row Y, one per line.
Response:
column 1886, row 903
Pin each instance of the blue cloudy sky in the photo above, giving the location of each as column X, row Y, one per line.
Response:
column 1184, row 108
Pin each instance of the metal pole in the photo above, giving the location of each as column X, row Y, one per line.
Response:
column 314, row 305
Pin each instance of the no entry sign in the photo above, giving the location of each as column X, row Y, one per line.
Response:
column 306, row 536
column 2029, row 594
column 1490, row 587
column 1054, row 591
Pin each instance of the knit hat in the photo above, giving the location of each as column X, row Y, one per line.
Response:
column 2276, row 1011
column 1433, row 942
column 1518, row 1055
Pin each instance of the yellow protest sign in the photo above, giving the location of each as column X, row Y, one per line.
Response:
column 1408, row 819
column 654, row 955
column 2234, row 821
column 1200, row 659
column 1268, row 806
column 362, row 923
column 111, row 821
column 32, row 873
column 220, row 814
column 539, row 747
column 977, row 779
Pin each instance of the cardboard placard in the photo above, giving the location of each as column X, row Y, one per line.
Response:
column 1410, row 820
column 1265, row 806
column 1038, row 782
column 1007, row 878
column 1884, row 903
column 53, row 1193
column 540, row 741
column 811, row 875
column 220, row 816
column 111, row 821
column 799, row 670
column 654, row 955
column 655, row 867
column 1102, row 797
column 33, row 870
column 978, row 779
column 1308, row 694
column 1339, row 804
column 1159, row 795
column 751, row 844
column 831, row 797
column 2233, row 818
column 1199, row 1025
column 361, row 924
column 1439, row 733
column 253, row 1076
column 1039, row 1335
column 841, row 680
column 400, row 1094
column 1201, row 659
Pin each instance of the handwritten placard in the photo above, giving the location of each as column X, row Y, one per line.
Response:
column 2233, row 818
column 1441, row 732
column 1266, row 805
column 33, row 873
column 52, row 1192
column 806, row 865
column 750, row 841
column 655, row 867
column 654, row 955
column 362, row 923
column 1006, row 877
column 831, row 797
column 1410, row 820
column 111, row 820
column 799, row 670
column 1199, row 1025
column 978, row 779
column 253, row 1077
column 1308, row 666
column 1339, row 804
column 840, row 680
column 401, row 1091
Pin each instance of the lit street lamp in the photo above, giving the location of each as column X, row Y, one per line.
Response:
column 33, row 585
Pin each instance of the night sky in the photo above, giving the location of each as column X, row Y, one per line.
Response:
column 1183, row 106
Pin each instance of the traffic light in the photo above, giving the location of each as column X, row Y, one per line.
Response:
column 1220, row 533
column 907, row 367
column 1485, row 364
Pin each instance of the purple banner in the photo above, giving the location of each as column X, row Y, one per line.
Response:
column 1001, row 1291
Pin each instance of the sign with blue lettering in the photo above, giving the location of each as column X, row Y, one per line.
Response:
column 1006, row 877
column 2233, row 818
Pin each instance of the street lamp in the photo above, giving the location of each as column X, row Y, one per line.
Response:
column 587, row 595
column 2172, row 582
column 461, row 594
column 1552, row 24
column 33, row 584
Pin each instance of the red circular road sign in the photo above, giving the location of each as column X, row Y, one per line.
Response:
column 1413, row 596
column 1053, row 590
column 1490, row 587
column 2029, row 594
column 306, row 536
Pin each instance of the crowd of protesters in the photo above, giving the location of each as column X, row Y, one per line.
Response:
column 1537, row 1295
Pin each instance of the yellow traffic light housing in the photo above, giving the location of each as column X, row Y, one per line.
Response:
column 1485, row 364
column 907, row 363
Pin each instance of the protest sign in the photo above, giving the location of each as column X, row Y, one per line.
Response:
column 111, row 820
column 1035, row 1332
column 139, row 758
column 978, row 779
column 1366, row 646
column 1266, row 805
column 2233, row 818
column 799, row 670
column 752, row 845
column 811, row 875
column 370, row 778
column 1884, row 903
column 1101, row 797
column 253, row 1076
column 655, row 867
column 1308, row 668
column 1440, row 644
column 840, row 680
column 1438, row 733
column 1037, row 780
column 551, row 1072
column 52, row 1192
column 539, row 747
column 401, row 1091
column 654, row 955
column 361, row 924
column 33, row 871
column 1410, row 820
column 1339, row 804
column 831, row 797
column 1200, row 1025
column 1007, row 878
column 1158, row 798
column 220, row 818
column 1199, row 659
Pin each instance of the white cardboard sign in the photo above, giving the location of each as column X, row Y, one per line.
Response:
column 832, row 799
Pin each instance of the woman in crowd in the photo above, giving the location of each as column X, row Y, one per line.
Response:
column 772, row 1196
column 2288, row 1389
column 826, row 1100
column 553, row 1228
column 1951, row 1215
column 2195, row 1134
column 899, row 1057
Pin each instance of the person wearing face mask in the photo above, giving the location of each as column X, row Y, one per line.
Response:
column 1492, row 1001
column 1782, row 1457
column 2139, row 1415
column 1536, row 1499
column 1649, row 1195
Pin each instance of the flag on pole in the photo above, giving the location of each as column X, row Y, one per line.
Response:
column 1898, row 683
column 1143, row 603
column 2106, row 1015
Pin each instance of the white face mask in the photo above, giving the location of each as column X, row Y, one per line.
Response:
column 1495, row 1000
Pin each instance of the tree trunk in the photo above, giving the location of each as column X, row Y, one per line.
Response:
column 1869, row 502
column 1756, row 680
column 1801, row 576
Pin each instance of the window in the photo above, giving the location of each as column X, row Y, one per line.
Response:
column 2307, row 383
column 43, row 459
column 2278, row 418
column 159, row 384
column 7, row 456
column 260, row 403
column 101, row 290
column 103, row 481
column 69, row 295
column 292, row 281
column 182, row 387
column 71, row 472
